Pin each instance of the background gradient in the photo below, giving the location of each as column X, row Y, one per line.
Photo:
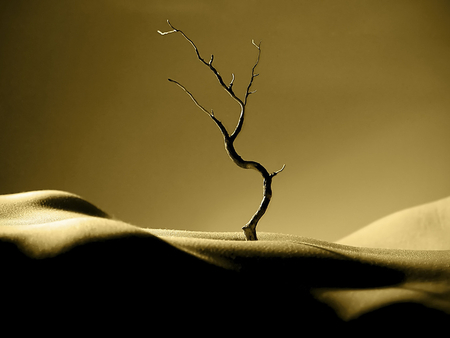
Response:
column 353, row 96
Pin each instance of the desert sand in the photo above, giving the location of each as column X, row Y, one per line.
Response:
column 66, row 263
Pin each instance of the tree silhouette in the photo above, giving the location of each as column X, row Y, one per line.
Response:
column 250, row 227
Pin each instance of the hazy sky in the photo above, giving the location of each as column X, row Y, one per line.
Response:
column 353, row 96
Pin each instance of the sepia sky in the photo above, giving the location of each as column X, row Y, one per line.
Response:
column 353, row 96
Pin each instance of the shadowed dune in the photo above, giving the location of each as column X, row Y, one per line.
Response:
column 65, row 263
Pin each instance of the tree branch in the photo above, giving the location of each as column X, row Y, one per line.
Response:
column 250, row 227
column 211, row 114
column 228, row 89
column 240, row 123
column 191, row 96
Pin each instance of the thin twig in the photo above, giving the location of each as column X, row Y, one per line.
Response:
column 253, row 71
column 240, row 123
column 278, row 171
column 191, row 96
column 211, row 114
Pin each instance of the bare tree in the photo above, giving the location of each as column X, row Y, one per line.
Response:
column 250, row 227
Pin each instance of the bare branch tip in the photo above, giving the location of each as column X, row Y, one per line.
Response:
column 256, row 45
column 231, row 82
column 168, row 22
column 278, row 171
column 174, row 30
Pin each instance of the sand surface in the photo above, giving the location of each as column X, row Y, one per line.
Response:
column 400, row 264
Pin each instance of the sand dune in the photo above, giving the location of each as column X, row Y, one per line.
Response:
column 424, row 227
column 60, row 252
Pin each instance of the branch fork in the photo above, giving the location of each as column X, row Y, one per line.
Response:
column 250, row 228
